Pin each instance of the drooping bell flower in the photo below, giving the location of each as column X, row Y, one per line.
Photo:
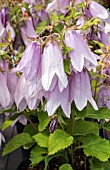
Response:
column 80, row 90
column 28, row 32
column 52, row 64
column 80, row 50
column 58, row 5
column 20, row 92
column 98, row 10
column 56, row 99
column 104, row 97
column 30, row 61
column 5, row 96
column 12, row 80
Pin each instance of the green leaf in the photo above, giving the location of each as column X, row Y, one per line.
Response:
column 6, row 124
column 17, row 141
column 97, row 147
column 41, row 26
column 65, row 167
column 44, row 120
column 106, row 126
column 41, row 139
column 83, row 127
column 67, row 65
column 95, row 164
column 29, row 129
column 102, row 113
column 9, row 121
column 37, row 155
column 98, row 51
column 59, row 140
column 66, row 50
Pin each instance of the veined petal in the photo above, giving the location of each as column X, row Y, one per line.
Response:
column 52, row 63
column 5, row 96
column 88, row 92
column 80, row 97
column 53, row 103
column 98, row 10
column 28, row 31
column 57, row 5
column 80, row 50
column 20, row 93
column 64, row 101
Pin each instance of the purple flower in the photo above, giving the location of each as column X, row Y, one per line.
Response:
column 98, row 10
column 80, row 50
column 80, row 90
column 20, row 92
column 104, row 97
column 52, row 64
column 56, row 99
column 5, row 96
column 28, row 31
column 58, row 5
column 30, row 61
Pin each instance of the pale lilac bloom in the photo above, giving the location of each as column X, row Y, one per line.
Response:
column 30, row 61
column 28, row 32
column 104, row 97
column 35, row 2
column 80, row 50
column 12, row 80
column 20, row 92
column 78, row 1
column 56, row 99
column 80, row 90
column 98, row 10
column 5, row 96
column 58, row 5
column 52, row 64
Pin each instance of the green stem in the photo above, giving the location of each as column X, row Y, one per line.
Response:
column 30, row 121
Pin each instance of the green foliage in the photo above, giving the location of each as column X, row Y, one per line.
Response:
column 59, row 140
column 95, row 164
column 106, row 126
column 17, row 141
column 96, row 147
column 67, row 66
column 29, row 129
column 41, row 139
column 89, row 112
column 9, row 121
column 83, row 127
column 37, row 155
column 65, row 167
column 44, row 120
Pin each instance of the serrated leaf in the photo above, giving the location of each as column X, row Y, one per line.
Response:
column 59, row 140
column 96, row 164
column 17, row 141
column 44, row 120
column 65, row 167
column 97, row 147
column 83, row 127
column 37, row 155
column 41, row 139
